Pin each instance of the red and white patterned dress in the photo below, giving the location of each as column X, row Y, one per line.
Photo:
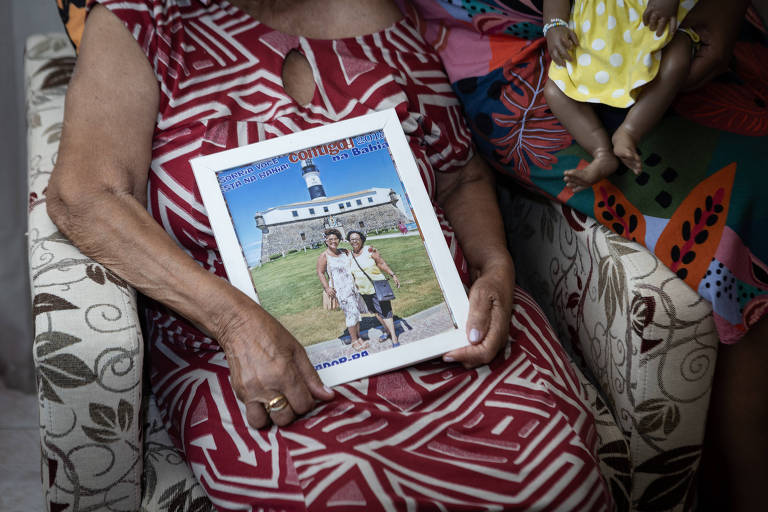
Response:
column 512, row 435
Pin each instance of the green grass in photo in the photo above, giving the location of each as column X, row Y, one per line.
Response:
column 290, row 290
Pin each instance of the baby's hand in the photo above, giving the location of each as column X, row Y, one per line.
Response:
column 561, row 41
column 659, row 13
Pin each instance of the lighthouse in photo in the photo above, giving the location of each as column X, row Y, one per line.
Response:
column 311, row 175
column 348, row 205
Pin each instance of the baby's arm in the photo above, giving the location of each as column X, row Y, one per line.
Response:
column 560, row 39
column 659, row 13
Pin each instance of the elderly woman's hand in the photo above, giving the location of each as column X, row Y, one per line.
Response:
column 490, row 310
column 265, row 362
column 468, row 198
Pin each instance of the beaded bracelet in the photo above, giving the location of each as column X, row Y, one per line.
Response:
column 554, row 22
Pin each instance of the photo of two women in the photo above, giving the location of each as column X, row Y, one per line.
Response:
column 349, row 279
column 355, row 293
column 336, row 255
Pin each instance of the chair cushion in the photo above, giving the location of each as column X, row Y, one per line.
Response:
column 167, row 482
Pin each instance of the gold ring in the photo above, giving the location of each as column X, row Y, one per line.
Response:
column 276, row 404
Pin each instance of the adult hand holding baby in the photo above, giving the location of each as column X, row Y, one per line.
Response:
column 718, row 24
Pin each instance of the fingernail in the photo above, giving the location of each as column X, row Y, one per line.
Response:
column 448, row 359
column 474, row 336
column 327, row 389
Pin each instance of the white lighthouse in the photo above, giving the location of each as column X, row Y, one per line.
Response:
column 311, row 175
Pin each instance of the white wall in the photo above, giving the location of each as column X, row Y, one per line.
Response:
column 18, row 19
column 282, row 214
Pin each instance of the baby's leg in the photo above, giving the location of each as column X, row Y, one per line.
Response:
column 653, row 101
column 582, row 123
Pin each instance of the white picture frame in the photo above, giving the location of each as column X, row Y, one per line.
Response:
column 214, row 173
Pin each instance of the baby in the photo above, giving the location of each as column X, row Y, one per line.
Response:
column 610, row 54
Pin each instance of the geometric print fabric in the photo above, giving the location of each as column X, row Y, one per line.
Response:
column 514, row 435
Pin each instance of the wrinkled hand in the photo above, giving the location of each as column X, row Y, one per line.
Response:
column 561, row 41
column 490, row 310
column 660, row 13
column 265, row 361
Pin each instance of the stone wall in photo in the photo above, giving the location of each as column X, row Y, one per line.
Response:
column 281, row 239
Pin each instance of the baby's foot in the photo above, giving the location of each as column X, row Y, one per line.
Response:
column 603, row 165
column 625, row 147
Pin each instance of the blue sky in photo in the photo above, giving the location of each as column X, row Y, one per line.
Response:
column 352, row 174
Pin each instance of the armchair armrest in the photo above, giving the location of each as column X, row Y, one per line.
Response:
column 88, row 349
column 648, row 339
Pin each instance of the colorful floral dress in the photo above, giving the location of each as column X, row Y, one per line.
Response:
column 516, row 434
column 698, row 203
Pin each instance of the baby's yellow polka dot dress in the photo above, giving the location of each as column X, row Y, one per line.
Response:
column 617, row 53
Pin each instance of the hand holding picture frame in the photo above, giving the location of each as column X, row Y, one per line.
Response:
column 283, row 211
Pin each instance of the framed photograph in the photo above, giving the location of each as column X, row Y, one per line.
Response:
column 331, row 230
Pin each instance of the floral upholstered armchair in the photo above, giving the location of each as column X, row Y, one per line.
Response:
column 646, row 338
column 103, row 444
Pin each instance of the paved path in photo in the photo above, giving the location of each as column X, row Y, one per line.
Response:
column 415, row 327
